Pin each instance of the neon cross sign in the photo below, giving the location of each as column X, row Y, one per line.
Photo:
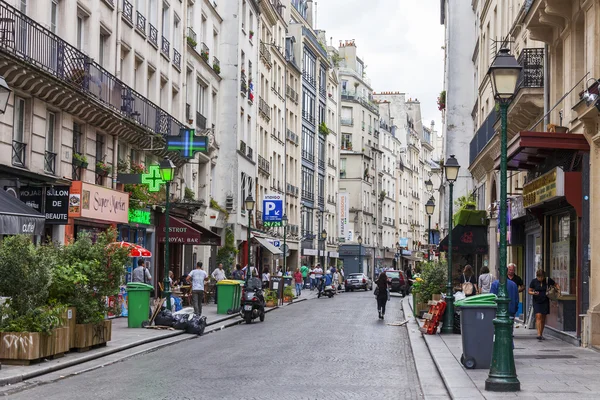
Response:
column 153, row 178
column 187, row 144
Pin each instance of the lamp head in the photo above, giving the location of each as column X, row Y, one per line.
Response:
column 249, row 203
column 359, row 240
column 429, row 185
column 430, row 206
column 167, row 170
column 451, row 168
column 324, row 234
column 284, row 220
column 504, row 75
column 4, row 94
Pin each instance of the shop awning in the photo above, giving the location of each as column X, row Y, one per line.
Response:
column 186, row 232
column 528, row 149
column 467, row 239
column 17, row 218
column 267, row 245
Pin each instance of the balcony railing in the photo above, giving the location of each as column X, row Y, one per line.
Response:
column 192, row 38
column 308, row 195
column 50, row 162
column 242, row 147
column 347, row 121
column 176, row 59
column 264, row 165
column 153, row 36
column 309, row 78
column 310, row 118
column 200, row 121
column 18, row 153
column 140, row 22
column 204, row 51
column 308, row 156
column 128, row 11
column 532, row 74
column 484, row 134
column 292, row 137
column 291, row 94
column 321, row 164
column 216, row 65
column 264, row 109
column 165, row 47
column 278, row 7
column 265, row 54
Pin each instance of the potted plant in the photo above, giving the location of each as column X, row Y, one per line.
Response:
column 288, row 294
column 204, row 55
column 323, row 128
column 441, row 100
column 270, row 298
column 382, row 195
column 251, row 34
column 217, row 68
column 102, row 168
column 191, row 42
column 79, row 160
column 432, row 280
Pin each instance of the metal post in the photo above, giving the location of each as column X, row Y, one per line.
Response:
column 321, row 256
column 429, row 240
column 167, row 290
column 448, row 326
column 284, row 249
column 248, row 269
column 503, row 375
column 360, row 266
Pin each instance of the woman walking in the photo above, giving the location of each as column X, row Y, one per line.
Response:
column 541, row 303
column 299, row 280
column 266, row 277
column 382, row 293
column 485, row 280
column 468, row 282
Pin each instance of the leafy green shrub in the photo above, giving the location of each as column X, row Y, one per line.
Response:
column 433, row 275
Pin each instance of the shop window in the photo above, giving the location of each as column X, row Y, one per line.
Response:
column 563, row 251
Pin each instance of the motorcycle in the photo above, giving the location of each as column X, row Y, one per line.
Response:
column 253, row 302
column 325, row 290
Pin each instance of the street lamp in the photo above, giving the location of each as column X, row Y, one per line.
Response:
column 429, row 185
column 429, row 208
column 167, row 174
column 324, row 238
column 249, row 207
column 451, row 168
column 4, row 94
column 284, row 222
column 360, row 266
column 504, row 75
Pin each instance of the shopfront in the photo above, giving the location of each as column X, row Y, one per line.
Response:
column 139, row 230
column 53, row 203
column 16, row 218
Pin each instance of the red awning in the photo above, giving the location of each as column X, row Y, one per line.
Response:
column 186, row 232
column 528, row 149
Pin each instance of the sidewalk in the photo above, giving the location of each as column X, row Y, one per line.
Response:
column 551, row 369
column 124, row 341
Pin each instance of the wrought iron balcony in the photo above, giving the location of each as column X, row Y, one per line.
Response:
column 264, row 108
column 200, row 121
column 176, row 59
column 265, row 54
column 308, row 195
column 243, row 85
column 309, row 79
column 192, row 38
column 291, row 94
column 323, row 92
column 204, row 51
column 484, row 134
column 532, row 74
column 321, row 163
column 308, row 156
column 165, row 47
column 140, row 22
column 50, row 162
column 128, row 11
column 264, row 165
column 310, row 118
column 153, row 36
column 292, row 137
column 242, row 147
column 250, row 153
column 18, row 153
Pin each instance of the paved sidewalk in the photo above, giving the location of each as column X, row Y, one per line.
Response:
column 551, row 369
column 123, row 341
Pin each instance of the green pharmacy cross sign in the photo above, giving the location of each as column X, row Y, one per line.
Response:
column 153, row 178
column 187, row 144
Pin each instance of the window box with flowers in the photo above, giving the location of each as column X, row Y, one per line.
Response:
column 79, row 160
column 204, row 55
column 441, row 100
column 251, row 34
column 102, row 168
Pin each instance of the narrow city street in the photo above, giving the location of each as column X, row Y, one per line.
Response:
column 317, row 349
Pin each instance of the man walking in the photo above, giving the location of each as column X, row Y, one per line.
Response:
column 218, row 275
column 304, row 271
column 318, row 275
column 514, row 277
column 197, row 277
column 141, row 273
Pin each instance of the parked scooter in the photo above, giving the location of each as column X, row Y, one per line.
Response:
column 253, row 302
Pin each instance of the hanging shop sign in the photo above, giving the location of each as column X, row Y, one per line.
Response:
column 545, row 188
column 139, row 217
column 53, row 202
column 343, row 224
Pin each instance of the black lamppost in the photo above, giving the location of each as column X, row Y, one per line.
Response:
column 284, row 222
column 360, row 266
column 429, row 208
column 324, row 238
column 429, row 185
column 167, row 174
column 249, row 207
column 504, row 75
column 451, row 168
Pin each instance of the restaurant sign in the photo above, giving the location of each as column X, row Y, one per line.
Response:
column 98, row 202
column 545, row 188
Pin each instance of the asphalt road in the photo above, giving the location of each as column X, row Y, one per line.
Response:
column 317, row 349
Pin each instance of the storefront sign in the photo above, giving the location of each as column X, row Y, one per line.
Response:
column 403, row 242
column 310, row 252
column 32, row 196
column 97, row 202
column 343, row 215
column 545, row 188
column 516, row 208
column 139, row 217
column 56, row 207
column 179, row 232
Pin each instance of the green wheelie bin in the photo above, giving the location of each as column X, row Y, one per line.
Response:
column 138, row 303
column 229, row 296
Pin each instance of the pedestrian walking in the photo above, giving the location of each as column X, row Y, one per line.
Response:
column 279, row 271
column 336, row 280
column 381, row 293
column 198, row 276
column 305, row 270
column 541, row 303
column 485, row 281
column 238, row 274
column 299, row 281
column 318, row 275
column 312, row 277
column 266, row 277
column 468, row 282
column 514, row 277
column 218, row 275
column 141, row 273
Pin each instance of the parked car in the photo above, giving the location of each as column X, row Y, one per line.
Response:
column 357, row 281
column 397, row 281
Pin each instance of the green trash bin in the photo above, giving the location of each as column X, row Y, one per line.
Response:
column 228, row 296
column 138, row 303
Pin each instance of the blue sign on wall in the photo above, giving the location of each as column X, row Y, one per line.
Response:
column 272, row 208
column 403, row 242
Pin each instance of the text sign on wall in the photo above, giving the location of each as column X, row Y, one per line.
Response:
column 345, row 234
column 545, row 188
column 57, row 205
column 272, row 208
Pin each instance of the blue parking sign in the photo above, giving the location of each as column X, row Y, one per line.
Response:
column 272, row 208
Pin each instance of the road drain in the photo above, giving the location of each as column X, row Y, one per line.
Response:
column 544, row 356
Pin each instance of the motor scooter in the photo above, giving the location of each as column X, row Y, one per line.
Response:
column 253, row 302
column 325, row 290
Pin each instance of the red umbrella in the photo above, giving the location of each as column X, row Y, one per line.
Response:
column 135, row 250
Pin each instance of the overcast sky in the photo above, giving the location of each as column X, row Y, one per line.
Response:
column 400, row 41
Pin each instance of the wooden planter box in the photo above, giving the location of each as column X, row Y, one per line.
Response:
column 271, row 303
column 24, row 347
column 89, row 335
column 287, row 299
column 69, row 319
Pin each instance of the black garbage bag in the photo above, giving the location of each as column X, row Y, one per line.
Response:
column 196, row 325
column 164, row 318
column 181, row 321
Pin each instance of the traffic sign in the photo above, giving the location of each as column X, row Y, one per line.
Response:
column 276, row 243
column 272, row 208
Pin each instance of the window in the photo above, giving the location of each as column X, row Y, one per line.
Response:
column 200, row 97
column 50, row 127
column 321, row 113
column 102, row 48
column 247, row 188
column 77, row 138
column 308, row 144
column 309, row 67
column 19, row 120
column 346, row 141
column 23, row 6
column 563, row 252
column 53, row 15
column 176, row 34
column 165, row 21
column 308, row 183
column 100, row 142
column 79, row 32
